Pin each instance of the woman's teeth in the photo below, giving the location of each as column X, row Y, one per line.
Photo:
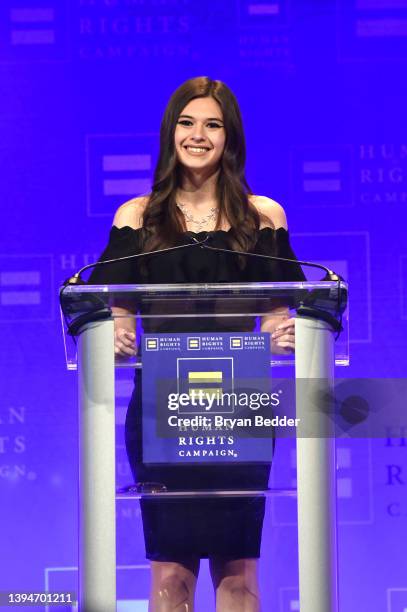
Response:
column 196, row 149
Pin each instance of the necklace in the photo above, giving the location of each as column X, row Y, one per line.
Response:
column 211, row 216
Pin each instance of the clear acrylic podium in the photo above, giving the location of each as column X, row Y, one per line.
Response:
column 321, row 342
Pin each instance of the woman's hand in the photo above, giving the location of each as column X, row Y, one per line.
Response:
column 124, row 332
column 283, row 337
column 124, row 342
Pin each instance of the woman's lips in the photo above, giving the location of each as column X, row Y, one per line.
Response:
column 196, row 151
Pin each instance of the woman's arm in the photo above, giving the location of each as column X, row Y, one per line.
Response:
column 278, row 322
column 128, row 214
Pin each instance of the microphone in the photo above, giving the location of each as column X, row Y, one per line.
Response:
column 94, row 308
column 318, row 303
column 77, row 279
column 330, row 275
column 314, row 302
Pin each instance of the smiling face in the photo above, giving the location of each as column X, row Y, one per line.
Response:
column 200, row 135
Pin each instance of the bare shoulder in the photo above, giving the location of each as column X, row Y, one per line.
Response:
column 131, row 213
column 272, row 212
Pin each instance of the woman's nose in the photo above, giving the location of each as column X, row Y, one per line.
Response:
column 198, row 133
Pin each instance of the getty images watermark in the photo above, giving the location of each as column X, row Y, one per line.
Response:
column 205, row 402
column 352, row 407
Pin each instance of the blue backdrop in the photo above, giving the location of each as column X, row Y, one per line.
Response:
column 323, row 94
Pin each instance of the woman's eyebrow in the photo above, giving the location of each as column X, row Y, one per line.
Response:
column 207, row 119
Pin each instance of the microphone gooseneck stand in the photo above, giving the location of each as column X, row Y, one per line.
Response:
column 318, row 318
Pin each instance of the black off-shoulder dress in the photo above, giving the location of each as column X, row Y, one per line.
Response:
column 176, row 529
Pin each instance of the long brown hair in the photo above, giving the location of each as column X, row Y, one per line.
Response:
column 162, row 219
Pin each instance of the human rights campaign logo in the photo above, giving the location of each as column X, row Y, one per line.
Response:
column 204, row 380
column 321, row 175
column 191, row 383
column 236, row 343
column 119, row 167
column 194, row 344
column 372, row 29
column 26, row 288
column 33, row 31
column 151, row 344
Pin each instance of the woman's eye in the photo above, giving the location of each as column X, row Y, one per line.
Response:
column 184, row 122
column 212, row 124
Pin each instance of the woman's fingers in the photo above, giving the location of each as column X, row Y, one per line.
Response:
column 286, row 341
column 286, row 344
column 285, row 324
column 284, row 335
column 285, row 328
column 124, row 343
column 126, row 337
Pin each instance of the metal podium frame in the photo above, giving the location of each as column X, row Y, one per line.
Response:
column 316, row 477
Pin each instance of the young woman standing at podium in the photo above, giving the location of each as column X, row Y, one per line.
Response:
column 200, row 186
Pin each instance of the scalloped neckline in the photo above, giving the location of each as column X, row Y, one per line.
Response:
column 219, row 231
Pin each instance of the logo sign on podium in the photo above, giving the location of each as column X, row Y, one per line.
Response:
column 206, row 398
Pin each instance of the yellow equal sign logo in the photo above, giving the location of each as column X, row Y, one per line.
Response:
column 152, row 344
column 236, row 343
column 194, row 344
column 214, row 379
